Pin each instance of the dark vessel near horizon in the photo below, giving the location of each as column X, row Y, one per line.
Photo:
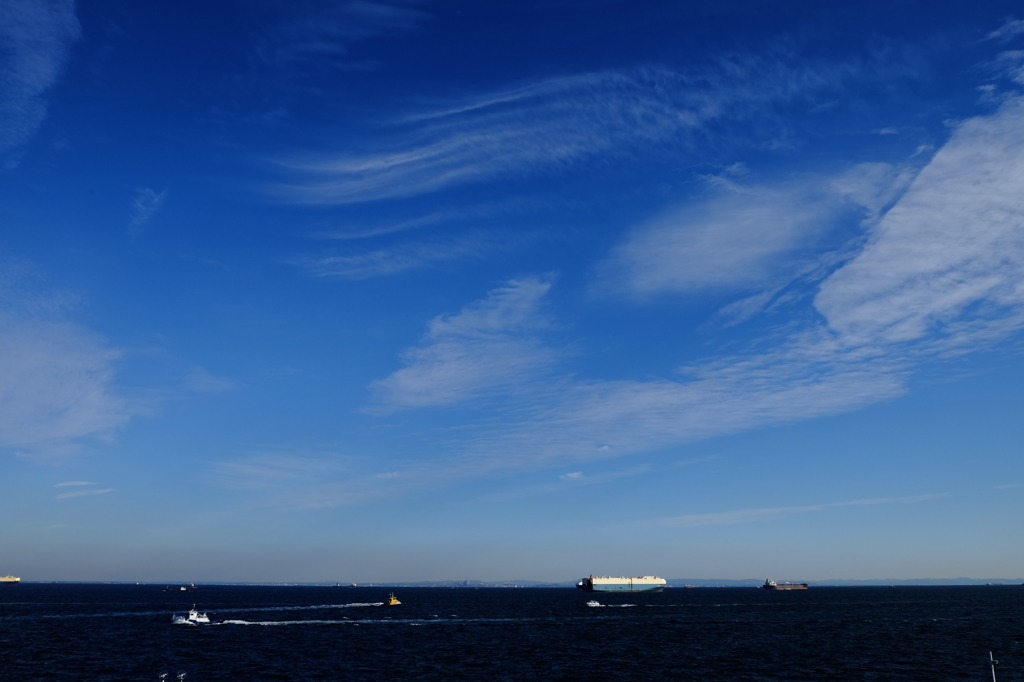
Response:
column 772, row 585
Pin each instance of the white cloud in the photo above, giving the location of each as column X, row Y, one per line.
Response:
column 559, row 122
column 748, row 236
column 772, row 513
column 1010, row 29
column 737, row 239
column 145, row 205
column 1011, row 65
column 874, row 186
column 80, row 493
column 948, row 258
column 943, row 268
column 488, row 345
column 36, row 36
column 67, row 483
column 56, row 378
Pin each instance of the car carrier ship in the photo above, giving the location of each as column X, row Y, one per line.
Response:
column 643, row 583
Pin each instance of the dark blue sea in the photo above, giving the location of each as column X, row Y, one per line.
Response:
column 128, row 632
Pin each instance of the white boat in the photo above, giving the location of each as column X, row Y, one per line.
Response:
column 196, row 617
column 593, row 602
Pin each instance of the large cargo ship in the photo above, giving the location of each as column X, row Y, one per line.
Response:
column 643, row 583
column 772, row 585
column 9, row 579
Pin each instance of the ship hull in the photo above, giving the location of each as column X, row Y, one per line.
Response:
column 9, row 580
column 625, row 588
column 785, row 587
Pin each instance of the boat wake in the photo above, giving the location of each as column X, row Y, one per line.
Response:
column 598, row 605
column 354, row 605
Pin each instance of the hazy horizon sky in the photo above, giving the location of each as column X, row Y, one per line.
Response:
column 399, row 290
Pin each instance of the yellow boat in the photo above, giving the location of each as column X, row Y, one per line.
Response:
column 392, row 600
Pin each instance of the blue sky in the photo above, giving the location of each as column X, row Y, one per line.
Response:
column 413, row 290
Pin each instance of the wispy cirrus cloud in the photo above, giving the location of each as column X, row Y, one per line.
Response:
column 69, row 483
column 146, row 204
column 56, row 378
column 391, row 228
column 559, row 122
column 320, row 34
column 772, row 513
column 37, row 36
column 269, row 470
column 941, row 271
column 490, row 345
column 359, row 264
column 1010, row 29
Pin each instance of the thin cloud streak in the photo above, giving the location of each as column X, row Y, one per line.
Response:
column 367, row 264
column 81, row 493
column 773, row 513
column 67, row 483
column 268, row 470
column 320, row 34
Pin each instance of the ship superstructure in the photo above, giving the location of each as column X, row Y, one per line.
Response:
column 643, row 583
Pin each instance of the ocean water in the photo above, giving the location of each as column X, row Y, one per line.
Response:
column 128, row 632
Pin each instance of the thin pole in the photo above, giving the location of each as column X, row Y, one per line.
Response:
column 993, row 662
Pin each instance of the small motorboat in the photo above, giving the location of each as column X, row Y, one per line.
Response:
column 594, row 602
column 392, row 600
column 196, row 617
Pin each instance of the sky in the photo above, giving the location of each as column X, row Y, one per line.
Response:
column 400, row 290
